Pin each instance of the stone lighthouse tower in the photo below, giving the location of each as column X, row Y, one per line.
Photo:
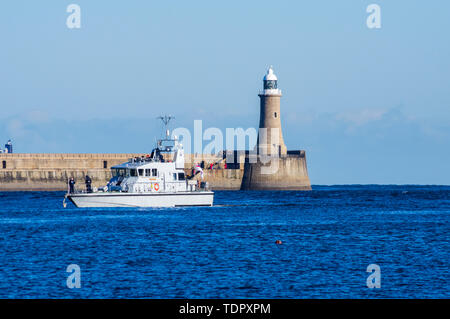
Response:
column 271, row 166
column 270, row 138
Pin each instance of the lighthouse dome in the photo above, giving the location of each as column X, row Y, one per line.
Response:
column 270, row 76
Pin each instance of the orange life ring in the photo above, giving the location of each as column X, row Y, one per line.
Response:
column 156, row 187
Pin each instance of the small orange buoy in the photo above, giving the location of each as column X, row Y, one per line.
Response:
column 278, row 242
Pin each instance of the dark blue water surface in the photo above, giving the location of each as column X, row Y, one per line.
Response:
column 330, row 235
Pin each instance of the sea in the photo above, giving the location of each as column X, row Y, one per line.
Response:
column 352, row 241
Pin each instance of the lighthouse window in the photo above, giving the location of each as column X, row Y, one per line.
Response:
column 4, row 164
column 275, row 115
column 270, row 84
column 105, row 164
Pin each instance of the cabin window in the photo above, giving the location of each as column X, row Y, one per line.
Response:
column 141, row 172
column 174, row 176
column 133, row 172
column 4, row 164
column 181, row 177
column 154, row 172
column 148, row 172
column 105, row 164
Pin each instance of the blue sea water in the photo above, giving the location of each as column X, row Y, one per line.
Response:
column 329, row 237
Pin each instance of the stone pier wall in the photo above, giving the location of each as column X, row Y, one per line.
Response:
column 50, row 172
column 290, row 173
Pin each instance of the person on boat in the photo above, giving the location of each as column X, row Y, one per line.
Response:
column 156, row 154
column 198, row 170
column 71, row 185
column 88, row 182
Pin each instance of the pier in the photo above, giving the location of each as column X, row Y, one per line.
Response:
column 50, row 172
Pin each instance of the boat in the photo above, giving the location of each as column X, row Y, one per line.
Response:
column 154, row 180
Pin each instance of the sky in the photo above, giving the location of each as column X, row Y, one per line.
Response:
column 369, row 106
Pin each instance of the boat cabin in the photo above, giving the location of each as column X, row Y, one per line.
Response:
column 153, row 173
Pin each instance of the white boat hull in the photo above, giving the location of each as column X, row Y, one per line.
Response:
column 177, row 199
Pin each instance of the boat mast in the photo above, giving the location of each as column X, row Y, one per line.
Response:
column 166, row 119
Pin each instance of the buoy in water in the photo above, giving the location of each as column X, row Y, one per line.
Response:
column 278, row 242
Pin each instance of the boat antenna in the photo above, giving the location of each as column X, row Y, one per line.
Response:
column 166, row 119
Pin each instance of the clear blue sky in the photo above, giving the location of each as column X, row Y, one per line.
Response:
column 368, row 106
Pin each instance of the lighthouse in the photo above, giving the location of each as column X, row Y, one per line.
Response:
column 288, row 170
column 270, row 138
